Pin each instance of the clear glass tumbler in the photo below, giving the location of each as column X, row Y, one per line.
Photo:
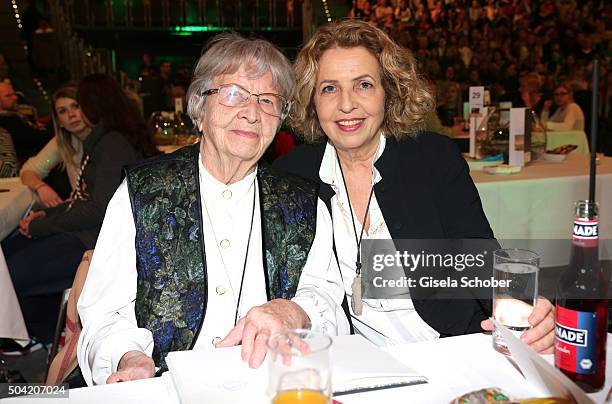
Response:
column 514, row 299
column 300, row 367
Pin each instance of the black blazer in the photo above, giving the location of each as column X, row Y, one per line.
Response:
column 426, row 192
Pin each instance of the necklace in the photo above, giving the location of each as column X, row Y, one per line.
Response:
column 356, row 302
column 246, row 254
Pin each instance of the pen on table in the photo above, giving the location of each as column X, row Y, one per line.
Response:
column 378, row 387
column 4, row 190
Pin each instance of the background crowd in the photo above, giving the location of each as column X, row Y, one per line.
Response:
column 510, row 46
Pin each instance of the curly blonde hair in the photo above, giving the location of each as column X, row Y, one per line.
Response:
column 407, row 98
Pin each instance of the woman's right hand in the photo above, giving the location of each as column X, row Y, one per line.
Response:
column 547, row 105
column 133, row 365
column 24, row 224
column 47, row 196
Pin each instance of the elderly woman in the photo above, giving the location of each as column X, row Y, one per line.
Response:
column 567, row 116
column 205, row 243
column 361, row 102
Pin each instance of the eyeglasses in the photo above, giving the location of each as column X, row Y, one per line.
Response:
column 233, row 95
column 561, row 93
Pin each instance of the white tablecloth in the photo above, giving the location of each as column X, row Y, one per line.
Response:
column 11, row 320
column 454, row 366
column 13, row 204
column 538, row 202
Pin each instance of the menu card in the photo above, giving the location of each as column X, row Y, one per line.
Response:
column 220, row 375
column 545, row 379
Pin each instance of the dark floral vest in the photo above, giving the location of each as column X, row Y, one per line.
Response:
column 170, row 258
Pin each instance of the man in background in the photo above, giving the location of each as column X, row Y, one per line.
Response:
column 27, row 138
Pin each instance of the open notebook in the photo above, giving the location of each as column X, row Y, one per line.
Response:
column 220, row 376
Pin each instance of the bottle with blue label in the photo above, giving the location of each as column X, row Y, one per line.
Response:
column 582, row 307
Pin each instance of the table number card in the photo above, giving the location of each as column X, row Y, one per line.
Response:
column 477, row 113
column 477, row 98
column 519, row 153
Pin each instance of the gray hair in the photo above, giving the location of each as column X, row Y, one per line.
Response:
column 225, row 54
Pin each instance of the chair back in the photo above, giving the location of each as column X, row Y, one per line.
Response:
column 65, row 361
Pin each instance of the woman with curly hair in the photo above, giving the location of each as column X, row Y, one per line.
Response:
column 361, row 104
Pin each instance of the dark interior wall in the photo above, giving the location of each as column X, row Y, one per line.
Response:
column 180, row 48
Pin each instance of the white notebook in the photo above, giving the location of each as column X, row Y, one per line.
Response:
column 220, row 376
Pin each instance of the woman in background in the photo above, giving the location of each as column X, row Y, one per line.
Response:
column 64, row 150
column 42, row 259
column 568, row 115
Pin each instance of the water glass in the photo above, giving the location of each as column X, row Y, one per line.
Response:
column 299, row 367
column 514, row 299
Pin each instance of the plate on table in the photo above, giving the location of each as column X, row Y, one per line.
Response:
column 555, row 158
column 502, row 169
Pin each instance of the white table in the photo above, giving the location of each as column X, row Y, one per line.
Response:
column 13, row 204
column 454, row 366
column 538, row 202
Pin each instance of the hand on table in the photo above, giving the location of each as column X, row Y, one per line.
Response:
column 134, row 365
column 24, row 224
column 254, row 329
column 47, row 196
column 541, row 336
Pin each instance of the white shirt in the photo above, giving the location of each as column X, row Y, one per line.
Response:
column 106, row 305
column 383, row 321
column 565, row 118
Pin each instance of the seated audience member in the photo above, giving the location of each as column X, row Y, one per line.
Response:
column 42, row 260
column 205, row 242
column 568, row 115
column 8, row 158
column 360, row 101
column 531, row 93
column 27, row 138
column 449, row 99
column 65, row 149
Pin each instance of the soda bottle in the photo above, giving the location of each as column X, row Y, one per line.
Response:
column 582, row 306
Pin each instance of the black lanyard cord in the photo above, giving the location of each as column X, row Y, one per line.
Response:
column 363, row 223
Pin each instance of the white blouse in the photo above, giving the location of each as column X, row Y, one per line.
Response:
column 565, row 118
column 49, row 157
column 383, row 321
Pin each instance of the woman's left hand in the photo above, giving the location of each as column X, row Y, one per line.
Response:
column 541, row 336
column 254, row 329
column 24, row 224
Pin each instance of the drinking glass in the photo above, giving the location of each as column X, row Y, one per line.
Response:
column 299, row 364
column 513, row 302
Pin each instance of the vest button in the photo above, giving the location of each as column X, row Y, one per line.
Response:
column 227, row 194
column 224, row 243
column 216, row 340
column 220, row 290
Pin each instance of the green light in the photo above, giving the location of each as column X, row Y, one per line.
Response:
column 188, row 29
column 196, row 28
